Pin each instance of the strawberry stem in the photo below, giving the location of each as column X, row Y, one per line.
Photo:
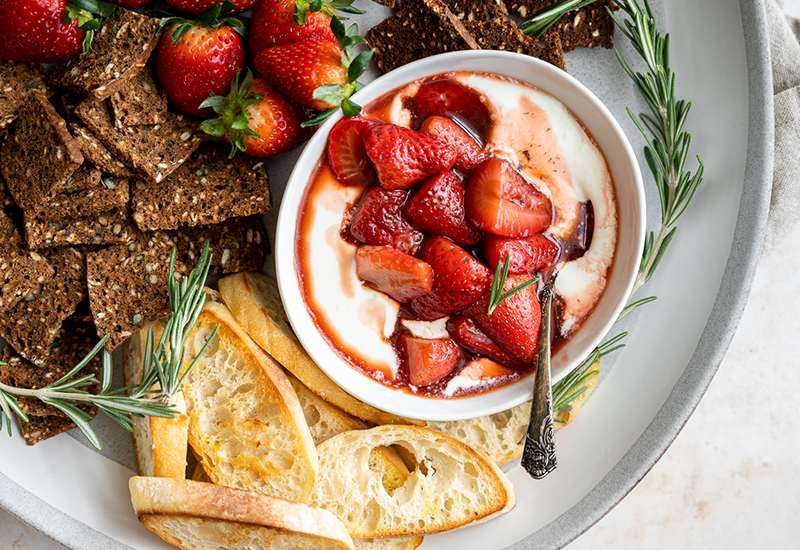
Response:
column 213, row 17
column 90, row 15
column 233, row 121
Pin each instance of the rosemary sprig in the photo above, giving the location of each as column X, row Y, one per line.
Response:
column 499, row 282
column 542, row 20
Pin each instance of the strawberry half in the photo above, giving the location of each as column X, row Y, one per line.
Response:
column 500, row 201
column 458, row 280
column 347, row 154
column 429, row 360
column 466, row 332
column 470, row 154
column 525, row 255
column 379, row 220
column 395, row 273
column 437, row 206
column 449, row 98
column 403, row 157
column 514, row 323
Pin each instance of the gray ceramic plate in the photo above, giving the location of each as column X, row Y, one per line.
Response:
column 648, row 391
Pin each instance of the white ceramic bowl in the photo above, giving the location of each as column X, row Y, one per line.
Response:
column 631, row 210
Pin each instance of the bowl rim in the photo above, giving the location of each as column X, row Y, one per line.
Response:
column 363, row 387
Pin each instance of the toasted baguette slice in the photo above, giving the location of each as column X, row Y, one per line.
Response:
column 201, row 516
column 388, row 543
column 567, row 414
column 256, row 304
column 452, row 485
column 246, row 424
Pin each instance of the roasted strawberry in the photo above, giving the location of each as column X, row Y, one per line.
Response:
column 399, row 275
column 470, row 154
column 403, row 157
column 437, row 206
column 37, row 31
column 199, row 6
column 273, row 122
column 458, row 280
column 197, row 58
column 429, row 360
column 449, row 98
column 500, row 201
column 347, row 154
column 469, row 335
column 274, row 23
column 379, row 220
column 514, row 323
column 525, row 255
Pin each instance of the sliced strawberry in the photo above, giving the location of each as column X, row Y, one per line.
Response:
column 403, row 157
column 466, row 332
column 346, row 152
column 458, row 280
column 437, row 206
column 399, row 275
column 501, row 202
column 449, row 98
column 429, row 361
column 379, row 220
column 470, row 154
column 525, row 255
column 514, row 324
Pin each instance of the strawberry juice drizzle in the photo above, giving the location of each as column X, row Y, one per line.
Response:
column 533, row 152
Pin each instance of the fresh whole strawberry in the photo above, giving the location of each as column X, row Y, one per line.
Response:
column 458, row 280
column 48, row 31
column 470, row 154
column 403, row 157
column 514, row 323
column 198, row 58
column 379, row 220
column 256, row 118
column 500, row 201
column 525, row 255
column 399, row 275
column 449, row 98
column 437, row 206
column 346, row 152
column 275, row 22
column 199, row 6
column 469, row 335
column 131, row 4
column 429, row 360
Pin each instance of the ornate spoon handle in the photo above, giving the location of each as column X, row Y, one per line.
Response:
column 539, row 454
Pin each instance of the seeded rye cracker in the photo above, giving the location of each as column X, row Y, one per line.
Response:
column 156, row 151
column 73, row 341
column 30, row 327
column 112, row 227
column 120, row 48
column 588, row 27
column 96, row 153
column 109, row 195
column 39, row 154
column 85, row 177
column 208, row 188
column 16, row 80
column 139, row 101
column 21, row 270
column 128, row 286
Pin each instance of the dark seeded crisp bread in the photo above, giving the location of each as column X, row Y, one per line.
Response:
column 208, row 188
column 420, row 29
column 120, row 48
column 39, row 154
column 237, row 244
column 30, row 327
column 503, row 34
column 20, row 270
column 73, row 341
column 139, row 101
column 96, row 153
column 85, row 177
column 128, row 286
column 588, row 27
column 113, row 194
column 16, row 80
column 112, row 227
column 155, row 151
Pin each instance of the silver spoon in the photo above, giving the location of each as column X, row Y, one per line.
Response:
column 539, row 454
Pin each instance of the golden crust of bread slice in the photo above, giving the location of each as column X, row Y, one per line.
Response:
column 246, row 424
column 567, row 414
column 200, row 516
column 451, row 485
column 388, row 543
column 255, row 302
